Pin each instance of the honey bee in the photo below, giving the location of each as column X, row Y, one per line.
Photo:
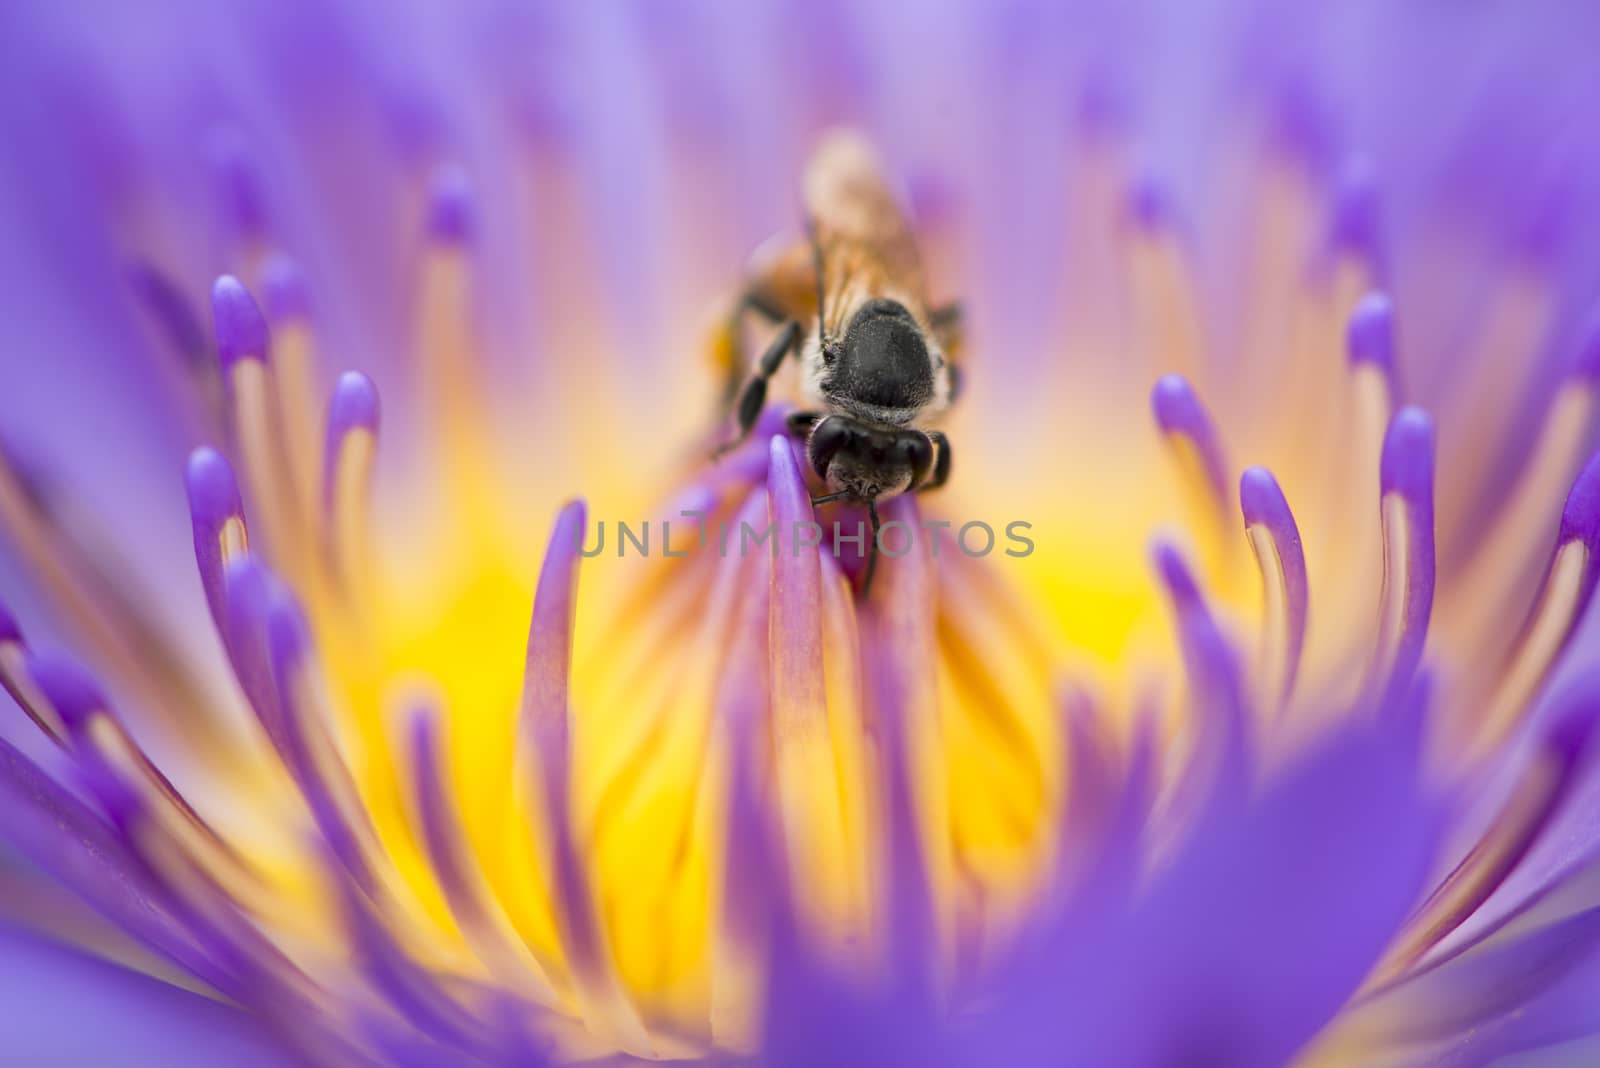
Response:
column 850, row 304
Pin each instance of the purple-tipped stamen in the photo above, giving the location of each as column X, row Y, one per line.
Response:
column 1564, row 595
column 9, row 630
column 471, row 902
column 1094, row 786
column 1301, row 126
column 1355, row 226
column 214, row 502
column 73, row 693
column 235, row 178
column 249, row 588
column 1369, row 336
column 1262, row 503
column 544, row 696
column 1586, row 364
column 284, row 292
column 354, row 407
column 1406, row 476
column 412, row 989
column 14, row 680
column 1150, row 208
column 1179, row 413
column 1175, row 575
column 309, row 750
column 79, row 700
column 1539, row 793
column 1408, row 455
column 170, row 310
column 1265, row 507
column 1219, row 764
column 1580, row 518
column 240, row 328
column 452, row 213
column 546, row 741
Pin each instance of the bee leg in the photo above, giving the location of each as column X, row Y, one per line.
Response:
column 948, row 322
column 941, row 463
column 754, row 396
column 751, row 300
column 949, row 326
column 758, row 302
column 799, row 424
column 953, row 372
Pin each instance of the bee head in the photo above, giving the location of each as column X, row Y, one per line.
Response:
column 882, row 360
column 867, row 463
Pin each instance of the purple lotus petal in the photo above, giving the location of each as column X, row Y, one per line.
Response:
column 56, row 831
column 1481, row 994
column 1173, row 980
column 758, row 904
column 796, row 595
column 815, row 1016
column 1108, row 865
column 1555, row 970
column 904, row 624
column 49, row 994
column 1093, row 787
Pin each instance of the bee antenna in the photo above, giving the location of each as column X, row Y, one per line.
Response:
column 816, row 261
column 830, row 498
column 872, row 553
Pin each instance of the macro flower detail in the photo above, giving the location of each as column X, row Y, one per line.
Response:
column 529, row 687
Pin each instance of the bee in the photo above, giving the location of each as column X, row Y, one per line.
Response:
column 850, row 305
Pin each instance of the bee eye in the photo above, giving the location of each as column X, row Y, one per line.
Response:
column 918, row 453
column 830, row 435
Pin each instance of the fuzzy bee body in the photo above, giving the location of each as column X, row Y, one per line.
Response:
column 851, row 305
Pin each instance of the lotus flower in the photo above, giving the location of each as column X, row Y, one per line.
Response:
column 1262, row 741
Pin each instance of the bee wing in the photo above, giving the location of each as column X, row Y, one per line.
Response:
column 859, row 225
